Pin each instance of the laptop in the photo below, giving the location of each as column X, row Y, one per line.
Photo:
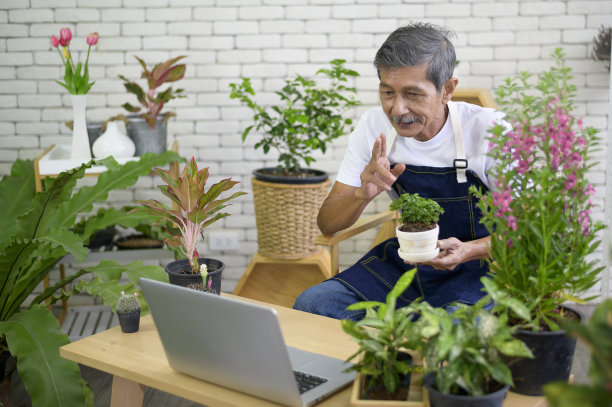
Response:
column 238, row 345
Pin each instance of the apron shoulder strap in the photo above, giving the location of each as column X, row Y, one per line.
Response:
column 460, row 163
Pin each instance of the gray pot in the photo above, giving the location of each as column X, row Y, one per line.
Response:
column 146, row 139
column 93, row 132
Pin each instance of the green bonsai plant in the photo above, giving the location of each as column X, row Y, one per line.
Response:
column 194, row 207
column 383, row 335
column 462, row 349
column 153, row 101
column 417, row 214
column 37, row 232
column 307, row 118
column 597, row 335
column 542, row 232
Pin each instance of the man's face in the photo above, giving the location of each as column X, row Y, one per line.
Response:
column 412, row 103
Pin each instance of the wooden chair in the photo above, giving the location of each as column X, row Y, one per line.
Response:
column 388, row 219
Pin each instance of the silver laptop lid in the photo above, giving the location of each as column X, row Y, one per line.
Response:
column 224, row 341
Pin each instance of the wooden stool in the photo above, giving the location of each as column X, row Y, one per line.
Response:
column 280, row 281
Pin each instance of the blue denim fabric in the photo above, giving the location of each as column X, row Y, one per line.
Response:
column 330, row 299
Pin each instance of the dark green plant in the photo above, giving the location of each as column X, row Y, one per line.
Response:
column 597, row 336
column 381, row 335
column 462, row 349
column 539, row 217
column 37, row 232
column 153, row 102
column 307, row 118
column 601, row 46
column 417, row 213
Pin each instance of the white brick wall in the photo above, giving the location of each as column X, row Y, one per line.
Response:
column 267, row 40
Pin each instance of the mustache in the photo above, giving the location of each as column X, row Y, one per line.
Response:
column 405, row 119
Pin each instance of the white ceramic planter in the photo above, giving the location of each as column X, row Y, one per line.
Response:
column 418, row 247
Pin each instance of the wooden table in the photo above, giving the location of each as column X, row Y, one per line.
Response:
column 137, row 360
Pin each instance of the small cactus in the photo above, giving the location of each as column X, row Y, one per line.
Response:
column 128, row 303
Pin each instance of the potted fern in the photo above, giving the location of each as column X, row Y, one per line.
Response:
column 148, row 129
column 418, row 230
column 194, row 208
column 128, row 312
column 308, row 117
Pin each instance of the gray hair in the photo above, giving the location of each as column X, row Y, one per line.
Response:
column 416, row 44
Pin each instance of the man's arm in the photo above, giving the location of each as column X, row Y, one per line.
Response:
column 345, row 203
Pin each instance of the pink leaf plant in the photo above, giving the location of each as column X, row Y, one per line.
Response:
column 194, row 207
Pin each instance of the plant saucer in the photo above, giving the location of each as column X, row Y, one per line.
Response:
column 418, row 257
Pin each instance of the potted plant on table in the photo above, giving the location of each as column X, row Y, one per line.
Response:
column 194, row 208
column 383, row 363
column 542, row 232
column 462, row 354
column 149, row 129
column 128, row 311
column 418, row 230
column 307, row 118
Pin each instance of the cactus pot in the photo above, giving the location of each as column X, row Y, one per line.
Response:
column 129, row 321
column 179, row 273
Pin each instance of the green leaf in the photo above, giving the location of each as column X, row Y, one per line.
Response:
column 34, row 337
column 16, row 194
column 69, row 241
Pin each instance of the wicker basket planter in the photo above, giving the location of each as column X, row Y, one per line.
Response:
column 286, row 217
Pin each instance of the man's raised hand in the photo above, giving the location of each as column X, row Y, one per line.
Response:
column 377, row 176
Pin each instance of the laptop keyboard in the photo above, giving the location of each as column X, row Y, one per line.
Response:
column 306, row 382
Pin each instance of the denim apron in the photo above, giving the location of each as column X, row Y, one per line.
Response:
column 375, row 274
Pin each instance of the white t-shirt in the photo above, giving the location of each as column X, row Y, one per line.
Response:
column 440, row 151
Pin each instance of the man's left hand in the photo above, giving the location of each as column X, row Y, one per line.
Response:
column 452, row 253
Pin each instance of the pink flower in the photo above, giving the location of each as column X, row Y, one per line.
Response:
column 65, row 36
column 54, row 41
column 92, row 39
column 570, row 182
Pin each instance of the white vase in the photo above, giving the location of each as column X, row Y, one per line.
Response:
column 113, row 142
column 80, row 140
column 417, row 247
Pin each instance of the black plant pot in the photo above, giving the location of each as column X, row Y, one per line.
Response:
column 129, row 321
column 307, row 176
column 179, row 273
column 553, row 356
column 437, row 399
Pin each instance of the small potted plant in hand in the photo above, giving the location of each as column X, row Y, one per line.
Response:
column 461, row 352
column 148, row 129
column 194, row 209
column 418, row 231
column 384, row 336
column 128, row 311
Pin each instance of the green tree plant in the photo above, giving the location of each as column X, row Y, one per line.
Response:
column 307, row 118
column 37, row 234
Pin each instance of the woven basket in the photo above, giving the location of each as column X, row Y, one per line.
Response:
column 286, row 217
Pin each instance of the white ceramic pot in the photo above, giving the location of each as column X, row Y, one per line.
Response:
column 417, row 247
column 113, row 142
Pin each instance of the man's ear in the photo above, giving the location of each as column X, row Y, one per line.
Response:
column 448, row 89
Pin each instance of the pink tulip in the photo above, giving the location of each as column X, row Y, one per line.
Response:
column 92, row 39
column 54, row 41
column 65, row 36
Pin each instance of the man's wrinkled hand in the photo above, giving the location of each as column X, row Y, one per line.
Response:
column 377, row 176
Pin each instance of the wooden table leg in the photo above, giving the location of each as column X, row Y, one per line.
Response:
column 126, row 393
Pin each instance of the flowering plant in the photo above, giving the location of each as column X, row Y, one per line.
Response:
column 194, row 207
column 76, row 77
column 540, row 216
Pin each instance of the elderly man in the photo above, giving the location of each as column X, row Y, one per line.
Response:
column 417, row 141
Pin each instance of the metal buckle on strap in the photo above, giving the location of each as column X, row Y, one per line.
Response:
column 460, row 163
